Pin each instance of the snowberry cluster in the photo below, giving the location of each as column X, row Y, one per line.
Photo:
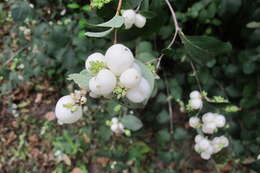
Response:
column 131, row 18
column 195, row 100
column 208, row 147
column 116, row 126
column 208, row 124
column 117, row 73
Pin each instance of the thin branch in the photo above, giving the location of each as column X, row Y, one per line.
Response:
column 12, row 57
column 177, row 29
column 119, row 6
column 196, row 76
column 169, row 101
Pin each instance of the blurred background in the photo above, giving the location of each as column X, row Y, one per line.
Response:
column 43, row 41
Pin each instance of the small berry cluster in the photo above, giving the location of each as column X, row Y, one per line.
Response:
column 208, row 147
column 195, row 100
column 117, row 73
column 117, row 127
column 208, row 125
column 131, row 18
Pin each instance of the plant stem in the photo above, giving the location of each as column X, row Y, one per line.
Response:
column 12, row 57
column 177, row 29
column 119, row 6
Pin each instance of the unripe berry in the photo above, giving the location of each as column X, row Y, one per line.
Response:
column 140, row 21
column 119, row 58
column 66, row 115
column 129, row 18
column 196, row 103
column 94, row 57
column 106, row 82
column 139, row 93
column 194, row 122
column 130, row 78
column 195, row 95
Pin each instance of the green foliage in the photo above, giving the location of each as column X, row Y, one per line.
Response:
column 132, row 122
column 82, row 78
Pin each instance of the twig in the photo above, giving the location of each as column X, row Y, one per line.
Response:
column 169, row 105
column 177, row 29
column 12, row 57
column 119, row 6
column 196, row 76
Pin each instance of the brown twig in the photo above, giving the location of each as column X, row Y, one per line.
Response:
column 12, row 57
column 177, row 29
column 119, row 6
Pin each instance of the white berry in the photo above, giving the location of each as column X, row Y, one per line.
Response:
column 114, row 120
column 196, row 103
column 66, row 115
column 194, row 122
column 140, row 20
column 129, row 18
column 220, row 120
column 130, row 78
column 204, row 144
column 94, row 88
column 139, row 93
column 106, row 82
column 94, row 57
column 209, row 128
column 195, row 95
column 205, row 155
column 198, row 138
column 136, row 67
column 119, row 58
column 208, row 117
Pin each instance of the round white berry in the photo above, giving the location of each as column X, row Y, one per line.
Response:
column 224, row 141
column 94, row 57
column 208, row 117
column 196, row 103
column 198, row 138
column 114, row 120
column 66, row 115
column 106, row 82
column 194, row 122
column 119, row 58
column 94, row 88
column 129, row 18
column 117, row 127
column 209, row 128
column 195, row 95
column 197, row 148
column 140, row 21
column 139, row 93
column 130, row 78
column 220, row 120
column 216, row 144
column 204, row 144
column 258, row 157
column 205, row 155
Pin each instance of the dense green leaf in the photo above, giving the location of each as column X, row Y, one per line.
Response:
column 99, row 34
column 21, row 11
column 132, row 122
column 82, row 78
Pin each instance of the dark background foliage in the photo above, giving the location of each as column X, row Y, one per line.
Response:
column 227, row 64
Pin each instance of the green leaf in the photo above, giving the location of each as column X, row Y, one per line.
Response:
column 147, row 74
column 82, row 78
column 202, row 48
column 132, row 122
column 148, row 14
column 115, row 22
column 73, row 6
column 20, row 11
column 99, row 34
